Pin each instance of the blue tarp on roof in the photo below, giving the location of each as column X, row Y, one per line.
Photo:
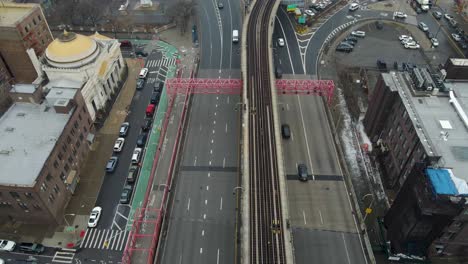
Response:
column 441, row 181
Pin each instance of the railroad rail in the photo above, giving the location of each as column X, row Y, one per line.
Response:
column 267, row 243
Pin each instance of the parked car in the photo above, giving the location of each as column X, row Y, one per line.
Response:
column 112, row 164
column 379, row 24
column 150, row 110
column 351, row 39
column 141, row 53
column 423, row 26
column 126, row 194
column 400, row 15
column 437, row 15
column 409, row 42
column 94, row 216
column 7, row 245
column 463, row 45
column 429, row 34
column 155, row 98
column 402, row 37
column 434, row 42
column 412, row 46
column 132, row 173
column 140, row 84
column 143, row 73
column 281, row 42
column 456, row 37
column 448, row 17
column 158, row 86
column 353, row 6
column 125, row 44
column 118, row 145
column 147, row 124
column 141, row 140
column 32, row 248
column 453, row 23
column 309, row 12
column 136, row 156
column 346, row 49
column 302, row 172
column 358, row 33
column 124, row 129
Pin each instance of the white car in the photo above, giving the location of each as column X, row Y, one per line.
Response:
column 94, row 216
column 143, row 73
column 448, row 17
column 353, row 7
column 402, row 37
column 7, row 245
column 408, row 41
column 119, row 143
column 456, row 37
column 434, row 42
column 400, row 15
column 309, row 12
column 136, row 155
column 358, row 33
column 412, row 46
column 281, row 42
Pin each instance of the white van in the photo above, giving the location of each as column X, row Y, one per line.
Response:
column 143, row 73
column 235, row 36
column 136, row 155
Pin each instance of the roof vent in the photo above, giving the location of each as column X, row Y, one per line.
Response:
column 20, row 114
column 9, row 129
column 59, row 92
column 4, row 152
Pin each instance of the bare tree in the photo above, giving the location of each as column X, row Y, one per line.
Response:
column 180, row 12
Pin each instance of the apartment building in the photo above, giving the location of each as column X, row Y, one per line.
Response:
column 22, row 27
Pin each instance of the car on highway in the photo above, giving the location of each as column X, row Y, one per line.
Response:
column 141, row 140
column 358, row 33
column 158, row 86
column 31, row 248
column 423, row 26
column 126, row 194
column 278, row 72
column 302, row 172
column 434, row 42
column 456, row 37
column 448, row 17
column 94, row 217
column 342, row 48
column 353, row 6
column 402, row 37
column 124, row 129
column 438, row 15
column 118, row 145
column 285, row 131
column 281, row 42
column 7, row 245
column 412, row 46
column 112, row 164
column 143, row 73
column 220, row 5
column 309, row 12
column 140, row 84
column 400, row 15
column 132, row 173
column 146, row 124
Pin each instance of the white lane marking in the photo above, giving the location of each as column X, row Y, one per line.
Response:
column 303, row 214
column 213, row 131
column 217, row 97
column 206, row 202
column 214, row 113
column 203, row 233
column 204, row 216
column 346, row 248
column 292, row 137
column 224, row 162
column 287, row 107
column 214, row 122
column 201, row 250
column 228, row 96
column 221, row 204
column 211, row 151
column 180, row 260
column 209, row 174
column 195, row 161
column 321, row 218
column 200, row 127
column 305, row 137
column 216, row 105
column 212, row 141
column 226, row 128
column 188, row 204
column 207, row 187
column 209, row 163
column 217, row 257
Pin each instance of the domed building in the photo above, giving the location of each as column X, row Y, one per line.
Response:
column 93, row 63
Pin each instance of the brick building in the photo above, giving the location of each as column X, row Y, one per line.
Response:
column 41, row 152
column 410, row 126
column 22, row 27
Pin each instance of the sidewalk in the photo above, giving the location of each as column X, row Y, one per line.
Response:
column 92, row 174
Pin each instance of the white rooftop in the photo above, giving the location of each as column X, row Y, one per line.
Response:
column 23, row 88
column 28, row 134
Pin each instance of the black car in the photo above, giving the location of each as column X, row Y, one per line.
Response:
column 32, row 248
column 155, row 98
column 351, row 39
column 463, row 45
column 124, row 129
column 126, row 194
column 302, row 172
column 141, row 140
column 140, row 84
column 158, row 86
column 278, row 72
column 342, row 48
column 346, row 43
column 429, row 34
column 147, row 124
column 132, row 173
column 111, row 164
column 437, row 15
column 141, row 53
column 379, row 24
column 285, row 131
column 381, row 65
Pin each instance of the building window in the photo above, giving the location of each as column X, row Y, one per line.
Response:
column 73, row 131
column 60, row 156
column 108, row 83
column 74, row 151
column 78, row 144
column 85, row 129
column 68, row 139
column 81, row 136
column 51, row 198
column 23, row 205
column 118, row 63
column 37, row 207
column 89, row 121
column 56, row 189
column 14, row 195
column 64, row 148
column 67, row 168
column 29, row 195
column 112, row 76
column 26, row 29
column 75, row 124
column 39, row 17
column 62, row 176
column 56, row 165
column 44, row 187
column 70, row 159
column 79, row 117
column 48, row 177
column 34, row 21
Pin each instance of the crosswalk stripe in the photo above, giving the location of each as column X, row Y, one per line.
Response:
column 93, row 245
column 89, row 233
column 110, row 244
column 86, row 235
column 123, row 236
column 95, row 238
column 116, row 238
column 63, row 257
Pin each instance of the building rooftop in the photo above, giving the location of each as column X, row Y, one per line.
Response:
column 29, row 133
column 439, row 123
column 11, row 13
column 58, row 94
column 23, row 88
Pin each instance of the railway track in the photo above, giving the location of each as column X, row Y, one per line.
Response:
column 266, row 225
